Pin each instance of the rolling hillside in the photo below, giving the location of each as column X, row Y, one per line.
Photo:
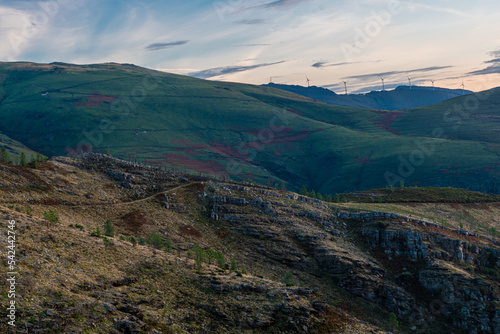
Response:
column 241, row 131
column 15, row 148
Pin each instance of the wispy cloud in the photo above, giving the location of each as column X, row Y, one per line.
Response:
column 282, row 3
column 249, row 45
column 494, row 66
column 161, row 46
column 321, row 64
column 217, row 71
column 394, row 73
column 252, row 21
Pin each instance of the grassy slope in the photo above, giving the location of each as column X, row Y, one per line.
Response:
column 207, row 126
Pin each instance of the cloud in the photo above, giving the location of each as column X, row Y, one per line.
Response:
column 492, row 69
column 161, row 46
column 217, row 71
column 393, row 73
column 252, row 21
column 249, row 45
column 282, row 4
column 321, row 64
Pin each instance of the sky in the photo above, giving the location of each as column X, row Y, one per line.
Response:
column 328, row 42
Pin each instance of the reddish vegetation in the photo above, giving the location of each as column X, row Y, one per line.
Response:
column 190, row 230
column 208, row 167
column 365, row 161
column 386, row 120
column 134, row 220
column 50, row 202
column 295, row 112
column 222, row 234
column 95, row 100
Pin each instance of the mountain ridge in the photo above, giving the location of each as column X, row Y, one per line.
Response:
column 398, row 99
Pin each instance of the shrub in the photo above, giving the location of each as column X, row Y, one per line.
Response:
column 96, row 232
column 106, row 241
column 51, row 216
column 28, row 211
column 142, row 242
column 122, row 238
column 133, row 241
column 109, row 229
column 78, row 226
column 289, row 279
column 155, row 240
column 243, row 270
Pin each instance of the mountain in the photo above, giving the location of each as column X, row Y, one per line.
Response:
column 246, row 132
column 110, row 246
column 403, row 97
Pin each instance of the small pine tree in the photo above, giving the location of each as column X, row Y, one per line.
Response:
column 319, row 196
column 220, row 259
column 312, row 194
column 210, row 255
column 337, row 198
column 303, row 191
column 109, row 229
column 142, row 242
column 4, row 155
column 168, row 245
column 289, row 279
column 393, row 321
column 243, row 270
column 23, row 159
column 234, row 266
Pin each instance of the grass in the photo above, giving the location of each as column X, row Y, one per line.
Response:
column 236, row 130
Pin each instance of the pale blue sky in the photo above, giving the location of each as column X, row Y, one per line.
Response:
column 249, row 41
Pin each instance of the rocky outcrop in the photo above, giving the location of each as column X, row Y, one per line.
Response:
column 469, row 305
column 396, row 243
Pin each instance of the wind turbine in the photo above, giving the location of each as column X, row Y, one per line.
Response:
column 270, row 79
column 409, row 80
column 433, row 88
column 345, row 87
column 463, row 87
column 308, row 81
column 383, row 84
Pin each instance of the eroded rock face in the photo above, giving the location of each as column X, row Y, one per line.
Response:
column 396, row 243
column 468, row 304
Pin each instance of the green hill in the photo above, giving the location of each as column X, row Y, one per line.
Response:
column 241, row 131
